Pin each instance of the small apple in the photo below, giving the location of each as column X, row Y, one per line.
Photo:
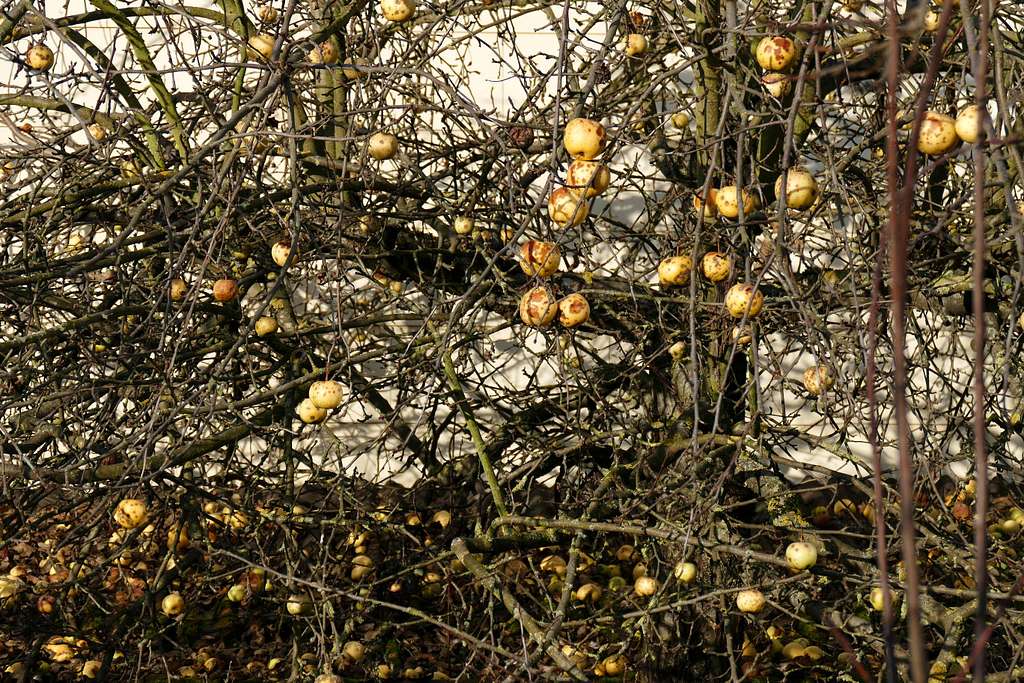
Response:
column 178, row 538
column 355, row 69
column 326, row 394
column 777, row 84
column 794, row 649
column 266, row 14
column 708, row 211
column 685, row 572
column 635, row 44
column 297, row 605
column 938, row 134
column 587, row 176
column 584, row 138
column 566, row 208
column 354, row 650
column 931, row 22
column 537, row 307
column 131, row 513
column 39, row 57
column 261, row 46
column 173, row 604
column 324, row 53
column 573, row 310
column 98, row 132
column 968, row 124
column 675, row 271
column 743, row 299
column 681, row 120
column 727, row 201
column 265, row 325
column 280, row 252
column 775, row 53
column 645, row 586
column 801, row 555
column 309, row 413
column 588, row 592
column 716, row 266
column 91, row 668
column 877, row 599
column 553, row 564
column 382, row 146
column 614, row 665
column 801, row 189
column 750, row 601
column 397, row 10
column 225, row 289
column 540, row 259
column 463, row 225
column 818, row 379
column 362, row 566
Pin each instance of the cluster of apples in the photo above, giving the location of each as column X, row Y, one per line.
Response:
column 800, row 556
column 586, row 178
column 742, row 300
column 940, row 133
column 776, row 54
column 539, row 306
column 324, row 395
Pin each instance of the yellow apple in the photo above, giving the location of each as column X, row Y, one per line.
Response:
column 398, row 10
column 587, row 176
column 537, row 307
column 727, row 201
column 463, row 225
column 261, row 45
column 172, row 605
column 750, row 601
column 326, row 394
column 324, row 53
column 566, row 208
column 177, row 289
column 382, row 146
column 777, row 84
column 573, row 310
column 636, row 44
column 716, row 266
column 309, row 413
column 938, row 134
column 968, row 124
column 775, row 53
column 131, row 513
column 265, row 325
column 801, row 189
column 675, row 271
column 743, row 299
column 280, row 252
column 540, row 259
column 588, row 592
column 645, row 586
column 584, row 138
column 818, row 379
column 266, row 14
column 98, row 132
column 801, row 555
column 685, row 572
column 39, row 57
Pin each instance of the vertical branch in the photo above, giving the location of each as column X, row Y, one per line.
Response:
column 977, row 49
